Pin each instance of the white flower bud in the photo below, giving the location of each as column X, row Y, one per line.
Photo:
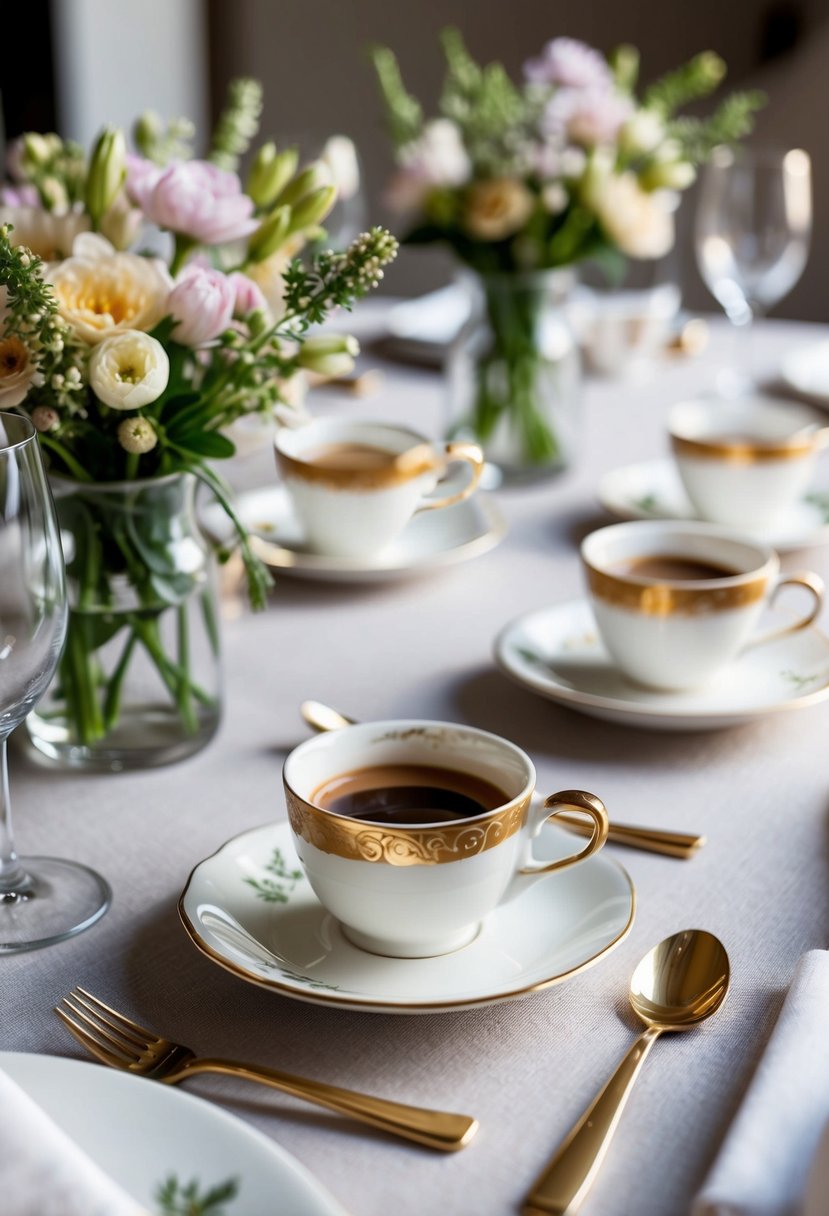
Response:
column 137, row 436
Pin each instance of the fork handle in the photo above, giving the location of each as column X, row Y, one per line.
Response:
column 433, row 1128
column 567, row 1179
column 652, row 840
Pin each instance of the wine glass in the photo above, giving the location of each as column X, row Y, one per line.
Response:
column 42, row 899
column 753, row 225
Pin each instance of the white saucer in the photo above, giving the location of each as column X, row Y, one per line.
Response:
column 806, row 370
column 250, row 909
column 557, row 652
column 431, row 539
column 139, row 1133
column 653, row 491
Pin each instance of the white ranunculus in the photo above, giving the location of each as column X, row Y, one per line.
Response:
column 642, row 133
column 128, row 370
column 639, row 223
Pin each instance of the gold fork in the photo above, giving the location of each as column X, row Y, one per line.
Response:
column 120, row 1042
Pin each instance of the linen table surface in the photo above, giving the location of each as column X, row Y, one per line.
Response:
column 422, row 648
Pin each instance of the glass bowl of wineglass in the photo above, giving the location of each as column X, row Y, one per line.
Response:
column 42, row 899
column 753, row 226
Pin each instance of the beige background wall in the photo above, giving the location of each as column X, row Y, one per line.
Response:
column 311, row 56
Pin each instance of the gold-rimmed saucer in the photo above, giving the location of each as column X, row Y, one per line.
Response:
column 250, row 909
column 556, row 651
column 431, row 540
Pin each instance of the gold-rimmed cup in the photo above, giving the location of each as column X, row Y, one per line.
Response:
column 355, row 485
column 676, row 602
column 417, row 890
column 744, row 463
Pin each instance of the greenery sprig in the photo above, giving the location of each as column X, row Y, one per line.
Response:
column 175, row 1198
column 238, row 123
column 335, row 280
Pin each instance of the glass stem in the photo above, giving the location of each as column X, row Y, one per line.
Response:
column 14, row 881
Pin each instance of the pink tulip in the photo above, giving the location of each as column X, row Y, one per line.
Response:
column 202, row 302
column 20, row 196
column 249, row 295
column 193, row 198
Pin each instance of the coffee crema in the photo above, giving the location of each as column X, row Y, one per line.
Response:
column 408, row 794
column 350, row 457
column 671, row 568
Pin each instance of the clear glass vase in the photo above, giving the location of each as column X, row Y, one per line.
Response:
column 139, row 680
column 514, row 374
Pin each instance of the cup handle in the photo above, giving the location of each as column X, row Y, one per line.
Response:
column 473, row 456
column 813, row 583
column 584, row 803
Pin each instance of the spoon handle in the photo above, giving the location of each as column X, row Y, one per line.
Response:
column 651, row 840
column 559, row 1191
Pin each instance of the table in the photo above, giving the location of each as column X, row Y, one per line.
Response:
column 526, row 1069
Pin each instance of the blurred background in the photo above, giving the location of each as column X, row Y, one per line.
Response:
column 83, row 62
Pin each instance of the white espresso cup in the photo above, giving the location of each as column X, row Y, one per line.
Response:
column 422, row 889
column 745, row 462
column 667, row 631
column 355, row 485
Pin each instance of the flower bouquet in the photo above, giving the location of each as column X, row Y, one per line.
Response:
column 132, row 370
column 523, row 182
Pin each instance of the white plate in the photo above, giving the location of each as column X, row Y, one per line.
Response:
column 557, row 652
column 806, row 370
column 421, row 330
column 653, row 491
column 140, row 1132
column 250, row 909
column 431, row 539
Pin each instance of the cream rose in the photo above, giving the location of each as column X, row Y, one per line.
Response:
column 49, row 234
column 497, row 208
column 638, row 222
column 128, row 370
column 101, row 292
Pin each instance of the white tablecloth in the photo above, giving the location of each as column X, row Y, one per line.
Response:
column 526, row 1068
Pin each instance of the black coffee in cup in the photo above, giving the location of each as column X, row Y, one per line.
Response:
column 408, row 794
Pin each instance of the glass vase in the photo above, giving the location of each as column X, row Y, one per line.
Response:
column 139, row 681
column 514, row 374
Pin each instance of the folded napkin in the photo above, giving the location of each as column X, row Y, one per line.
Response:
column 43, row 1172
column 764, row 1164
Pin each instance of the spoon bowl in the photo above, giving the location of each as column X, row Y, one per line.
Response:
column 681, row 981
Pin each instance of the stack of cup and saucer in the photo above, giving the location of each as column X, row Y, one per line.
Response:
column 366, row 501
column 670, row 635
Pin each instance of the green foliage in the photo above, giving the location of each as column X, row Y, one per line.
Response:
column 187, row 1199
column 624, row 63
column 485, row 104
column 335, row 280
column 694, row 80
column 162, row 141
column 238, row 123
column 403, row 111
column 731, row 121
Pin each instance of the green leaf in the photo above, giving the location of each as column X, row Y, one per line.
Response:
column 206, row 443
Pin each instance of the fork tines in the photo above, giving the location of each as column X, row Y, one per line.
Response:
column 102, row 1030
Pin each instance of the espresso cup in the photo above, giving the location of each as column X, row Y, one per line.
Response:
column 675, row 602
column 355, row 485
column 413, row 890
column 745, row 463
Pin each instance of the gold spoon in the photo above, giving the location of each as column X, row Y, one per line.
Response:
column 678, row 984
column 652, row 840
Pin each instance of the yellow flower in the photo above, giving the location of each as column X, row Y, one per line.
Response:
column 128, row 369
column 497, row 208
column 17, row 371
column 100, row 292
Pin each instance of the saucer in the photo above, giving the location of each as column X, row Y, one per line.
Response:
column 431, row 539
column 806, row 370
column 250, row 909
column 653, row 490
column 557, row 652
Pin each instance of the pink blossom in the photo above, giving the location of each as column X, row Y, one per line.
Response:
column 249, row 295
column 202, row 302
column 20, row 196
column 570, row 63
column 193, row 198
column 587, row 116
